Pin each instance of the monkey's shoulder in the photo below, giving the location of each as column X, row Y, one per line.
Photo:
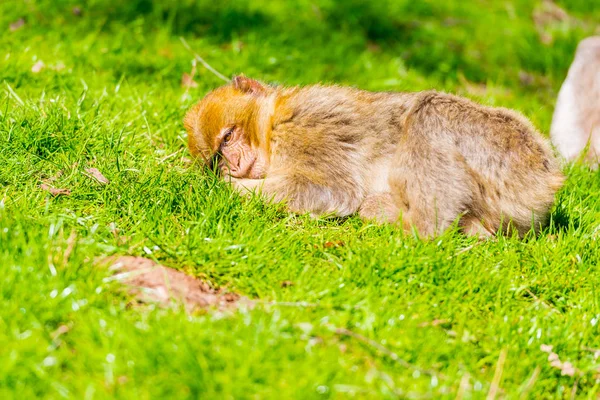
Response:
column 466, row 113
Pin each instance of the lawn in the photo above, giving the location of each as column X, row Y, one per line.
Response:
column 342, row 308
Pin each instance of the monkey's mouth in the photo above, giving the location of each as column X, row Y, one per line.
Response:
column 245, row 168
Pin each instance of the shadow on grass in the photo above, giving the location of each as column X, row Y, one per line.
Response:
column 220, row 20
column 562, row 221
column 428, row 36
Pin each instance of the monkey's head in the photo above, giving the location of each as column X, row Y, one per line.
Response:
column 229, row 128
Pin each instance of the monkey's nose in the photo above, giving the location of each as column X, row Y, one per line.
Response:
column 234, row 162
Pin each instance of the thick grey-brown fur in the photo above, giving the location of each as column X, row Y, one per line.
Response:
column 422, row 159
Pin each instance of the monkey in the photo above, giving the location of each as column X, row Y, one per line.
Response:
column 423, row 160
column 576, row 119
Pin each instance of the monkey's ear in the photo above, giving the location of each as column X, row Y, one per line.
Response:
column 248, row 85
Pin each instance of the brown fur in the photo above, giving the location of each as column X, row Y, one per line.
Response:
column 426, row 159
column 576, row 120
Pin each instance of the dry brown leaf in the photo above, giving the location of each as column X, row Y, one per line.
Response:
column 61, row 330
column 59, row 66
column 526, row 78
column 373, row 47
column 38, row 67
column 151, row 282
column 166, row 52
column 548, row 13
column 337, row 243
column 97, row 175
column 187, row 81
column 53, row 178
column 435, row 322
column 55, row 191
column 546, row 348
column 71, row 242
column 18, row 24
column 566, row 368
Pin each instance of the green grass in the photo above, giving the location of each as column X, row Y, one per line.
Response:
column 110, row 97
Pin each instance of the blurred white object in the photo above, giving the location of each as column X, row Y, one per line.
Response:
column 576, row 119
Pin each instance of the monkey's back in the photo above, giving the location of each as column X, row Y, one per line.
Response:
column 434, row 153
column 511, row 171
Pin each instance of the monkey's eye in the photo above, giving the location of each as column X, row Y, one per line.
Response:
column 227, row 136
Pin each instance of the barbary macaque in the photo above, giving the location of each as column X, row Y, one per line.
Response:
column 425, row 160
column 576, row 120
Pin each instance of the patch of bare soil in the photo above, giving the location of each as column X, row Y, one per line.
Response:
column 150, row 282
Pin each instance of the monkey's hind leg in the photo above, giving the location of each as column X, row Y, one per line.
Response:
column 473, row 226
column 430, row 180
column 431, row 191
column 380, row 208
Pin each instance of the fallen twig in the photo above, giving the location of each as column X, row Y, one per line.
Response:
column 71, row 241
column 201, row 60
column 574, row 389
column 14, row 94
column 530, row 383
column 463, row 386
column 495, row 386
column 545, row 304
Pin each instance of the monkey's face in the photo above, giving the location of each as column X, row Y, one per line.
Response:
column 236, row 156
column 223, row 129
